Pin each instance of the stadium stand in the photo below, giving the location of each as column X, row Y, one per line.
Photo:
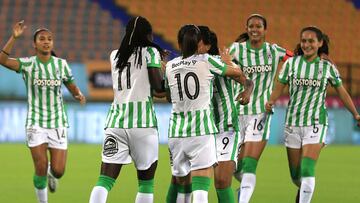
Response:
column 339, row 19
column 82, row 29
column 87, row 30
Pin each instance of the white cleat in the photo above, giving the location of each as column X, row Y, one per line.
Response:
column 52, row 181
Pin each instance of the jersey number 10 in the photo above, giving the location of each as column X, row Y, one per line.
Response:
column 186, row 87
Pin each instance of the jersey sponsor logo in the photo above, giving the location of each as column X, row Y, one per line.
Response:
column 306, row 82
column 110, row 146
column 184, row 63
column 257, row 69
column 41, row 82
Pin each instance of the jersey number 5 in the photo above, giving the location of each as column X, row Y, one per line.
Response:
column 128, row 76
column 186, row 85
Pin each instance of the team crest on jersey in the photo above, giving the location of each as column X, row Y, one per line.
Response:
column 110, row 146
column 269, row 56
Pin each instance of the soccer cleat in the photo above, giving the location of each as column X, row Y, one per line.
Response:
column 52, row 181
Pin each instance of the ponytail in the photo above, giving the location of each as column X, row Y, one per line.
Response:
column 242, row 37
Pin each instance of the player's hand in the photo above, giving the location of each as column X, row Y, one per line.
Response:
column 81, row 98
column 357, row 118
column 225, row 55
column 269, row 106
column 243, row 97
column 18, row 29
column 326, row 57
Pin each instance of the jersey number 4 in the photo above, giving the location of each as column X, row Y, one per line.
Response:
column 128, row 76
column 186, row 85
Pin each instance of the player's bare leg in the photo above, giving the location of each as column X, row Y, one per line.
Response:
column 310, row 154
column 57, row 167
column 223, row 177
column 252, row 153
column 294, row 160
column 39, row 156
column 108, row 175
column 146, row 184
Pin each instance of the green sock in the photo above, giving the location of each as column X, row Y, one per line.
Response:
column 40, row 182
column 200, row 183
column 172, row 193
column 146, row 186
column 307, row 167
column 225, row 195
column 249, row 165
column 185, row 189
column 106, row 182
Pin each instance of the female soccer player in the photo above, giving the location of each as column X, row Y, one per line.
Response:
column 226, row 121
column 306, row 119
column 191, row 141
column 131, row 126
column 46, row 123
column 258, row 60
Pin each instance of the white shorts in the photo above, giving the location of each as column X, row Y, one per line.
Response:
column 227, row 145
column 296, row 137
column 138, row 144
column 254, row 128
column 55, row 137
column 191, row 153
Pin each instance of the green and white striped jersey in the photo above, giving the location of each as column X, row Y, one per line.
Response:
column 133, row 105
column 190, row 83
column 259, row 65
column 225, row 112
column 307, row 89
column 43, row 84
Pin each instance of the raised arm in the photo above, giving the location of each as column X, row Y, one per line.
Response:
column 346, row 99
column 5, row 60
column 76, row 93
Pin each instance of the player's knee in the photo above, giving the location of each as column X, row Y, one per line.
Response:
column 57, row 170
column 249, row 165
column 58, row 173
column 106, row 182
column 307, row 167
column 222, row 182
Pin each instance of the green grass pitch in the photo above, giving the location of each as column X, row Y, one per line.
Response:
column 337, row 176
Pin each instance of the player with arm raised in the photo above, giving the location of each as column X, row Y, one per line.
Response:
column 46, row 122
